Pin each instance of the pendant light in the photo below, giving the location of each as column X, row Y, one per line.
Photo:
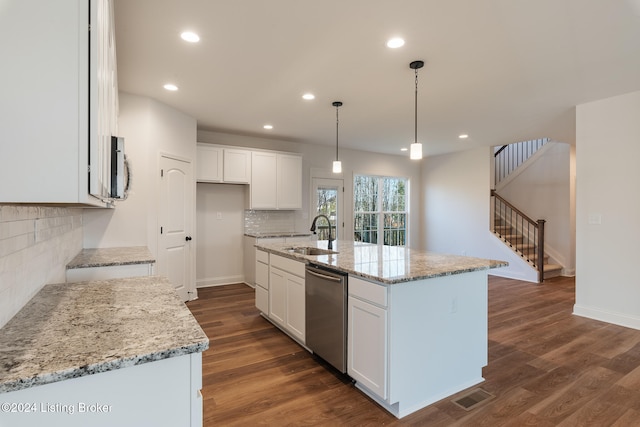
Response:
column 416, row 147
column 337, row 164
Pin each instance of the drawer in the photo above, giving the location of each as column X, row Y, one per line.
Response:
column 367, row 291
column 289, row 265
column 262, row 256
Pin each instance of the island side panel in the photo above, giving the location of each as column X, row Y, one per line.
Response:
column 438, row 338
column 164, row 393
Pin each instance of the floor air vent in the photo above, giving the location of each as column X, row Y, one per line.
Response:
column 472, row 399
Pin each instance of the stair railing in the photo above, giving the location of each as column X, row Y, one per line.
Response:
column 531, row 232
column 509, row 157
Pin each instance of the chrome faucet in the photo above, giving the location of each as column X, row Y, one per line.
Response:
column 313, row 228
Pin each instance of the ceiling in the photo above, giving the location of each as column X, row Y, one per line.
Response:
column 500, row 71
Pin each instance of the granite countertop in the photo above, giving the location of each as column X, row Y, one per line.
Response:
column 103, row 257
column 277, row 234
column 385, row 264
column 70, row 330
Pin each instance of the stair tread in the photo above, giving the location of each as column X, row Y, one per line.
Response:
column 552, row 267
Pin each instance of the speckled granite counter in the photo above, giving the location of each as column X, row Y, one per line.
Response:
column 385, row 264
column 102, row 257
column 71, row 330
column 271, row 234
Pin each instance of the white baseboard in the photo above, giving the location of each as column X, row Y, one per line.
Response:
column 219, row 281
column 620, row 319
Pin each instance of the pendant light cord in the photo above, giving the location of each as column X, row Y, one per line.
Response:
column 415, row 137
column 337, row 133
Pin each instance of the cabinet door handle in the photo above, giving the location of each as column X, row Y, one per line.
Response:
column 188, row 238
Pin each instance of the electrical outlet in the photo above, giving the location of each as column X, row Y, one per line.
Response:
column 454, row 305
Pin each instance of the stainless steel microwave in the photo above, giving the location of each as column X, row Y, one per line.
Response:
column 120, row 173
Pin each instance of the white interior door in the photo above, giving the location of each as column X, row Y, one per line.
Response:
column 175, row 218
column 328, row 195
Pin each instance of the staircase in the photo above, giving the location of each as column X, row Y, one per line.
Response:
column 525, row 248
column 522, row 234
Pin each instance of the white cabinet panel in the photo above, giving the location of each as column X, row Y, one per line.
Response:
column 237, row 166
column 54, row 85
column 367, row 346
column 289, row 182
column 276, row 181
column 295, row 319
column 166, row 392
column 209, row 163
column 277, row 296
column 264, row 180
column 262, row 299
column 287, row 295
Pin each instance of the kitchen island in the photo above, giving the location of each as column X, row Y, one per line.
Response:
column 417, row 321
column 121, row 352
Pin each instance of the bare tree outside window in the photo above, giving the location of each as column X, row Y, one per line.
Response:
column 327, row 205
column 380, row 210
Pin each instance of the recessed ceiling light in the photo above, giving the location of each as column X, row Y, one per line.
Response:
column 404, row 149
column 190, row 37
column 171, row 87
column 308, row 96
column 463, row 136
column 268, row 126
column 395, row 43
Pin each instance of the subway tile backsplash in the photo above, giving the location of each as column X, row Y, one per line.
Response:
column 271, row 221
column 36, row 243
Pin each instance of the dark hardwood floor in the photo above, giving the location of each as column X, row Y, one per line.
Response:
column 546, row 367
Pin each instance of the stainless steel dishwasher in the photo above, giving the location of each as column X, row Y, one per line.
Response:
column 326, row 315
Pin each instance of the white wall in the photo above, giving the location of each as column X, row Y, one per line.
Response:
column 456, row 210
column 608, row 210
column 542, row 190
column 149, row 128
column 36, row 243
column 219, row 240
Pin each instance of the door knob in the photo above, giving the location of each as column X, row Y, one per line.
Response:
column 188, row 238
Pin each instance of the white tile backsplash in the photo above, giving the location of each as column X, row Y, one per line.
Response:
column 269, row 221
column 36, row 243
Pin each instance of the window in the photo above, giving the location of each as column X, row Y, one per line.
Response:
column 328, row 201
column 380, row 210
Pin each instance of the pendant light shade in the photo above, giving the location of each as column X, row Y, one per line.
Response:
column 416, row 147
column 416, row 151
column 337, row 164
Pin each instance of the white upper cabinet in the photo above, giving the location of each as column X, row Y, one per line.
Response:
column 289, row 186
column 237, row 166
column 264, row 178
column 209, row 163
column 219, row 164
column 276, row 181
column 53, row 150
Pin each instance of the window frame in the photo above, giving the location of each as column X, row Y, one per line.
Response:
column 381, row 214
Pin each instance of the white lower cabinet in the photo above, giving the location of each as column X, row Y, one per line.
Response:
column 287, row 295
column 277, row 295
column 367, row 346
column 262, row 281
column 368, row 336
column 164, row 393
column 295, row 306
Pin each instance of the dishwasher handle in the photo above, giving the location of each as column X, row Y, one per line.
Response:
column 323, row 276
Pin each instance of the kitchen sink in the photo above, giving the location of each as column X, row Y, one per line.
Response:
column 308, row 250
